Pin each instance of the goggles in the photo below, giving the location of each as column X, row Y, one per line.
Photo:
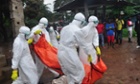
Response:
column 96, row 22
column 82, row 21
column 27, row 33
column 45, row 24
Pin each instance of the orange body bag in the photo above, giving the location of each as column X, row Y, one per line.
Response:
column 94, row 72
column 47, row 54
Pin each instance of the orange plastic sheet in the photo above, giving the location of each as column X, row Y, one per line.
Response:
column 94, row 72
column 47, row 54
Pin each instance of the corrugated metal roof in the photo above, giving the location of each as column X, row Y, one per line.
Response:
column 74, row 4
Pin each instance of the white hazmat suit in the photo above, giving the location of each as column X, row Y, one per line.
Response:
column 41, row 26
column 22, row 59
column 90, row 35
column 67, row 52
column 53, row 36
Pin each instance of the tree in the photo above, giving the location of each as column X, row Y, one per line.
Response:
column 34, row 10
column 5, row 20
column 128, row 10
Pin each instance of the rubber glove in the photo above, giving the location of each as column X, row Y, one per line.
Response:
column 14, row 75
column 37, row 31
column 58, row 36
column 98, row 51
column 50, row 43
column 89, row 58
column 30, row 41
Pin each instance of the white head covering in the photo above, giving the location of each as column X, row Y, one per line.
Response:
column 43, row 22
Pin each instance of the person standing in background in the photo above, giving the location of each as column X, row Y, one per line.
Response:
column 137, row 29
column 130, row 30
column 110, row 28
column 119, row 23
column 100, row 29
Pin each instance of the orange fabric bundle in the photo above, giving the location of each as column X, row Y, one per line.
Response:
column 94, row 72
column 47, row 54
column 87, row 77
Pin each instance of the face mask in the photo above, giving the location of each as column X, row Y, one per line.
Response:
column 27, row 34
column 83, row 23
column 45, row 25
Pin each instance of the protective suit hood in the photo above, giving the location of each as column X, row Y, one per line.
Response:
column 93, row 21
column 79, row 20
column 43, row 22
column 25, row 31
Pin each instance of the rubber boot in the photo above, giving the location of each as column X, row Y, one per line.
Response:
column 129, row 40
column 120, row 41
column 108, row 45
column 116, row 41
column 112, row 44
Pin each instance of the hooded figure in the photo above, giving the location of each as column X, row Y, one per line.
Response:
column 90, row 35
column 41, row 27
column 54, row 35
column 69, row 60
column 22, row 61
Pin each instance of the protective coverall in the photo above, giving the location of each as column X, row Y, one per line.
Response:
column 22, row 59
column 90, row 35
column 41, row 26
column 53, row 37
column 67, row 52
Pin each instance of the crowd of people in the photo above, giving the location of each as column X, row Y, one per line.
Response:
column 74, row 53
column 112, row 31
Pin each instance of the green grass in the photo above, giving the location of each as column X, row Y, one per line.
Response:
column 125, row 33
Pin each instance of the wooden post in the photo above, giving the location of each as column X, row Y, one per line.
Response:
column 16, row 15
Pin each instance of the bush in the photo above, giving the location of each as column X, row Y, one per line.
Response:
column 125, row 33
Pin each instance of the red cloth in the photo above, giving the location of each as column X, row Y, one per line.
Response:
column 47, row 54
column 100, row 28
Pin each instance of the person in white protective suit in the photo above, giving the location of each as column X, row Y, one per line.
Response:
column 54, row 35
column 34, row 36
column 22, row 61
column 69, row 60
column 90, row 35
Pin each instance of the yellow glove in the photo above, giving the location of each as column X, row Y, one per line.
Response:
column 14, row 75
column 30, row 41
column 58, row 36
column 89, row 58
column 37, row 31
column 98, row 51
column 50, row 43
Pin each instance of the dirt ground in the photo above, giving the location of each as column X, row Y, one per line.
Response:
column 123, row 64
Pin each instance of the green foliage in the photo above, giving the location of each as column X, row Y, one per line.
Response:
column 128, row 9
column 35, row 10
column 125, row 33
